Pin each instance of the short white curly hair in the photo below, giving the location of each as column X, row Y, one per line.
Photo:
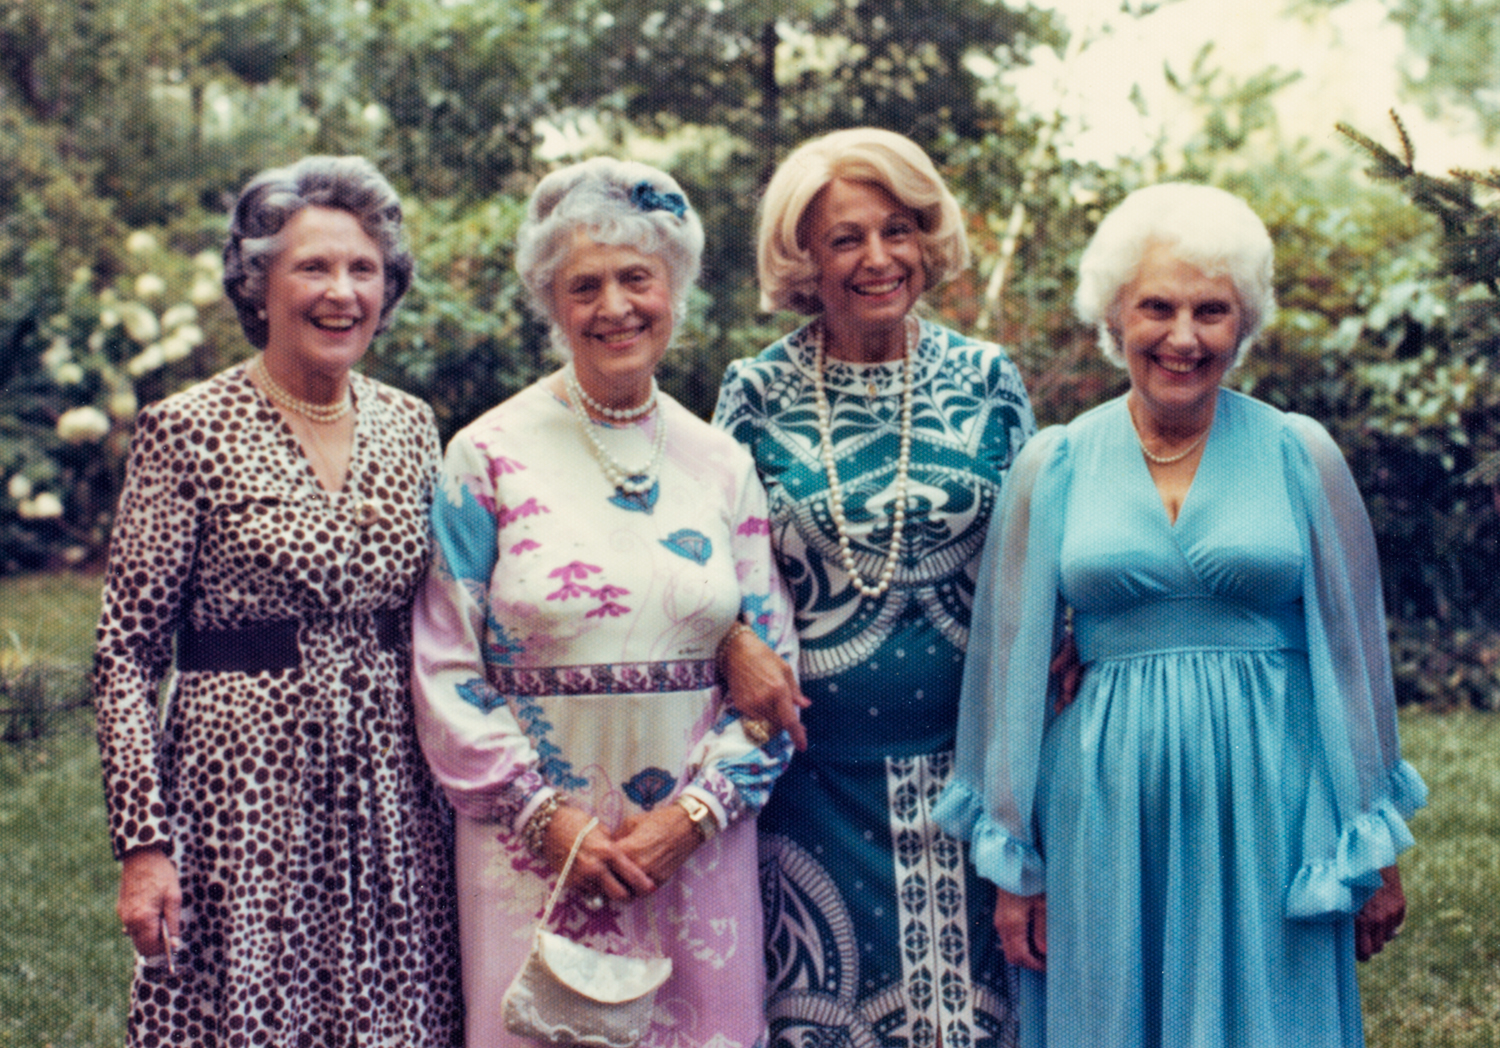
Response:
column 600, row 197
column 1203, row 226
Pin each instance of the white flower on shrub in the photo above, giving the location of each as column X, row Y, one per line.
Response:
column 149, row 285
column 96, row 341
column 206, row 290
column 146, row 361
column 174, row 347
column 85, row 425
column 122, row 404
column 140, row 243
column 57, row 354
column 69, row 374
column 140, row 323
column 178, row 315
column 19, row 487
column 45, row 506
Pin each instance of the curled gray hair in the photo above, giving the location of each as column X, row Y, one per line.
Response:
column 614, row 202
column 1203, row 226
column 267, row 203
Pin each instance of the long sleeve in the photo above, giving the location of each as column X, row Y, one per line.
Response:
column 733, row 774
column 152, row 551
column 472, row 740
column 1356, row 821
column 989, row 801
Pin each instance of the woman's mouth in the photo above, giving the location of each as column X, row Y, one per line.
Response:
column 335, row 323
column 619, row 338
column 1179, row 365
column 878, row 289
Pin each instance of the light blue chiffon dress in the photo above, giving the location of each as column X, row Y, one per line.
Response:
column 1217, row 803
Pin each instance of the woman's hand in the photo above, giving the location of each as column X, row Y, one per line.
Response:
column 150, row 902
column 1067, row 671
column 602, row 866
column 659, row 841
column 1381, row 916
column 1021, row 922
column 762, row 686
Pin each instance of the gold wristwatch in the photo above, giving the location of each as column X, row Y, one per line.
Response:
column 701, row 815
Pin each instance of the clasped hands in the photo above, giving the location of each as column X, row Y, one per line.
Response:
column 631, row 863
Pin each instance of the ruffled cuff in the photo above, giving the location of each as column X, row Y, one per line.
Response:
column 957, row 809
column 1341, row 884
column 998, row 855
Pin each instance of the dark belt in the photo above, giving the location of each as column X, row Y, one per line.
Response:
column 270, row 645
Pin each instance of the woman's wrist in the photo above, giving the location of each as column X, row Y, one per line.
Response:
column 534, row 833
column 721, row 655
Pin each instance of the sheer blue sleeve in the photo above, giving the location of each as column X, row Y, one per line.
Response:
column 1363, row 793
column 1005, row 707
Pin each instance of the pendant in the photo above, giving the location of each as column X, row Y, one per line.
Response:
column 637, row 501
column 366, row 513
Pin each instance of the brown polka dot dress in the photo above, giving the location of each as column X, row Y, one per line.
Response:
column 285, row 778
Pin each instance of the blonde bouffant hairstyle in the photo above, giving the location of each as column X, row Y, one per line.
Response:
column 788, row 276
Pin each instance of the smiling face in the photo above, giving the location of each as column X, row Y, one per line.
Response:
column 1178, row 329
column 868, row 250
column 614, row 305
column 324, row 291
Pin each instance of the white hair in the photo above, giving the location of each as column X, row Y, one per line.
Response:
column 1208, row 228
column 614, row 202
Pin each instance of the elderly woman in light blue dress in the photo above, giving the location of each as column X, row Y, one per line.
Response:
column 1196, row 849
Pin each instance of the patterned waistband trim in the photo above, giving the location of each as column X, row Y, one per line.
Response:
column 609, row 678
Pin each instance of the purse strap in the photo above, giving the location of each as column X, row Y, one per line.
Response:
column 562, row 878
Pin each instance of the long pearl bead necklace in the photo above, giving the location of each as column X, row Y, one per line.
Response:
column 323, row 413
column 630, row 481
column 836, row 488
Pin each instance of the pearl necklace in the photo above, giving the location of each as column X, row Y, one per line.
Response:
column 619, row 414
column 307, row 409
column 836, row 488
column 1167, row 460
column 630, row 481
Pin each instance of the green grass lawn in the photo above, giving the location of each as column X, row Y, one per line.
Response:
column 65, row 967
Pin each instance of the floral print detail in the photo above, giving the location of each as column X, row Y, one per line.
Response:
column 529, row 508
column 694, row 545
column 524, row 546
column 479, row 694
column 754, row 526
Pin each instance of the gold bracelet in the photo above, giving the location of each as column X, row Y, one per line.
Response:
column 534, row 833
column 740, row 626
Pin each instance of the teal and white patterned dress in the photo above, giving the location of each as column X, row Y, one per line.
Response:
column 877, row 930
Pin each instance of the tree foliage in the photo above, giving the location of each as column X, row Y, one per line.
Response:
column 125, row 131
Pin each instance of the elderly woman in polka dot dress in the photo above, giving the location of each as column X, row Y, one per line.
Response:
column 286, row 858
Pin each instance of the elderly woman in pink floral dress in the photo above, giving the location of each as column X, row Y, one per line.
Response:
column 596, row 544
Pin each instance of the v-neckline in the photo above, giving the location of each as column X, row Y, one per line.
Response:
column 309, row 471
column 1145, row 467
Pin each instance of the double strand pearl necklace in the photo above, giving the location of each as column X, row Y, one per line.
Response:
column 323, row 413
column 836, row 488
column 618, row 414
column 630, row 481
column 1167, row 460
